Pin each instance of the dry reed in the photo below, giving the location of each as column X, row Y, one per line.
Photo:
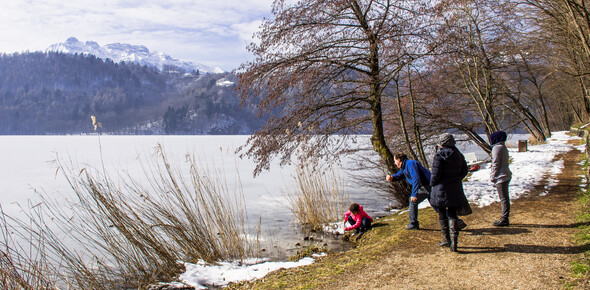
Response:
column 319, row 198
column 130, row 234
column 22, row 266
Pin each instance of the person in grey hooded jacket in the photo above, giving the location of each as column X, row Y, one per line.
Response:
column 500, row 174
column 447, row 195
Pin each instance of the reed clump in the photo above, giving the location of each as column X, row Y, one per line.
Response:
column 127, row 233
column 319, row 197
column 21, row 266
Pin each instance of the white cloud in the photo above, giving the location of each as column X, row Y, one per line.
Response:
column 211, row 32
column 246, row 30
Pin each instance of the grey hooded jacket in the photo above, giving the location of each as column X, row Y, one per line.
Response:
column 500, row 172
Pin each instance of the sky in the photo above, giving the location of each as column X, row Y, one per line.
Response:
column 528, row 169
column 210, row 32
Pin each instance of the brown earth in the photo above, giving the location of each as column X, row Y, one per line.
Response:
column 534, row 252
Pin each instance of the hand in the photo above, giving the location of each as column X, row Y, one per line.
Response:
column 414, row 199
column 389, row 178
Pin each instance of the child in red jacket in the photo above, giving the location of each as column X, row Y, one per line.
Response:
column 357, row 218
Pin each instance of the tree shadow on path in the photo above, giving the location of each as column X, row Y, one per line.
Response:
column 574, row 225
column 497, row 231
column 516, row 229
column 525, row 249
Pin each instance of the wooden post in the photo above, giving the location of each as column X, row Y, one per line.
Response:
column 522, row 145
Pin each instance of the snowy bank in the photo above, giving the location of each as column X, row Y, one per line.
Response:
column 528, row 169
column 201, row 275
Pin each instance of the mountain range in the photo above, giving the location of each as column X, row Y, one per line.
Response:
column 138, row 54
column 129, row 89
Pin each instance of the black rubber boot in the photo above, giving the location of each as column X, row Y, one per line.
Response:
column 444, row 227
column 454, row 233
column 462, row 224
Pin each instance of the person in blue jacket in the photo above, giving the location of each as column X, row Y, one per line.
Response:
column 419, row 178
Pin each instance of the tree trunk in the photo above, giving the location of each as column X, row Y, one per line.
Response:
column 374, row 99
column 417, row 136
column 477, row 139
column 526, row 114
column 585, row 98
column 403, row 123
column 378, row 137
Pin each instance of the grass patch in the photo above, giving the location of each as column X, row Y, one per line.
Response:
column 580, row 267
column 370, row 250
column 308, row 252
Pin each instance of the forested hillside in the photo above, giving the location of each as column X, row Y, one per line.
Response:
column 56, row 93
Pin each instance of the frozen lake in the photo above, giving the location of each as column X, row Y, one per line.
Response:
column 28, row 167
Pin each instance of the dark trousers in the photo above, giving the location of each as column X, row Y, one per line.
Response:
column 365, row 224
column 447, row 213
column 413, row 208
column 502, row 189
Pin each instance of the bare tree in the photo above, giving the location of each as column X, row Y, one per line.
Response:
column 566, row 23
column 482, row 78
column 474, row 33
column 322, row 69
column 409, row 101
column 524, row 94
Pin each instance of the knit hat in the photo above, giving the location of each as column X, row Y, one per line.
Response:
column 497, row 137
column 446, row 140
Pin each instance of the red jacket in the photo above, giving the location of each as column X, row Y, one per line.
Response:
column 358, row 218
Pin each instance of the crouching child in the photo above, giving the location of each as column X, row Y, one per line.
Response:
column 358, row 219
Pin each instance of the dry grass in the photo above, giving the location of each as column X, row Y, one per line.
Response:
column 129, row 234
column 319, row 198
column 22, row 266
column 370, row 173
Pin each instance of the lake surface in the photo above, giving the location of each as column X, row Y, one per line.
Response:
column 28, row 167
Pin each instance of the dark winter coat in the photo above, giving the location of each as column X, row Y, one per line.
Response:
column 448, row 170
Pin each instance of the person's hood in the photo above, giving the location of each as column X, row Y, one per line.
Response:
column 446, row 140
column 446, row 152
column 497, row 137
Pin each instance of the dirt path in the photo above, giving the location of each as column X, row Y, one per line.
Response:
column 533, row 253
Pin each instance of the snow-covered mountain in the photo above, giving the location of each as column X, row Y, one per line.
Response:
column 129, row 53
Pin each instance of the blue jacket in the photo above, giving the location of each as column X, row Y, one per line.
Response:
column 416, row 175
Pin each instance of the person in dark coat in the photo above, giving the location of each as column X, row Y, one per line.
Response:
column 448, row 170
